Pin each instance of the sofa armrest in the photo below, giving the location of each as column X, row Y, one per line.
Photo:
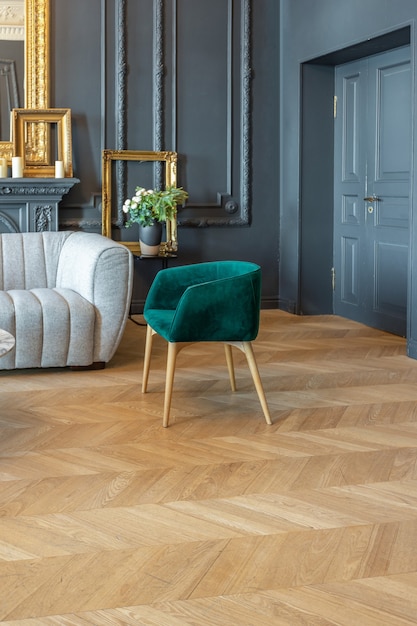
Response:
column 100, row 270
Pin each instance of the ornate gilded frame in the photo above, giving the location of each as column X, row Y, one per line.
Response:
column 36, row 74
column 22, row 118
column 111, row 156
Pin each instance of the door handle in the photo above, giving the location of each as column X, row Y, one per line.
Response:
column 372, row 199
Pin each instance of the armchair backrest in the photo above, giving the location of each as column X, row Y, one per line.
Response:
column 30, row 260
column 215, row 301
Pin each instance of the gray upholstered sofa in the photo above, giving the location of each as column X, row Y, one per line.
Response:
column 65, row 296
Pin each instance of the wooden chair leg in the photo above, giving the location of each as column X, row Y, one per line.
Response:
column 173, row 349
column 248, row 350
column 147, row 358
column 231, row 369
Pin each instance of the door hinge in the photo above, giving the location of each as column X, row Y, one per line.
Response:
column 333, row 274
column 334, row 106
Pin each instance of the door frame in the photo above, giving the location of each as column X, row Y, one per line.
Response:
column 315, row 294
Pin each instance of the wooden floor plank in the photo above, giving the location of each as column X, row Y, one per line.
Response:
column 108, row 518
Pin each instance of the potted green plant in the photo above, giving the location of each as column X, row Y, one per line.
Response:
column 150, row 208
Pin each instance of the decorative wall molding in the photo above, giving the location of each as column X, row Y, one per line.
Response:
column 232, row 205
column 158, row 74
column 121, row 102
column 12, row 20
column 121, row 76
column 246, row 64
column 12, row 33
column 92, row 225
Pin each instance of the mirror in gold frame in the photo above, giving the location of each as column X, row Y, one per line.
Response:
column 36, row 73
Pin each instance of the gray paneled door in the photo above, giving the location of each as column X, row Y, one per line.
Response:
column 372, row 187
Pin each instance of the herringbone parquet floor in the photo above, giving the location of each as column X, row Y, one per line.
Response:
column 220, row 520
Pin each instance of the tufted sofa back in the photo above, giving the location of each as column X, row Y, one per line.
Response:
column 30, row 260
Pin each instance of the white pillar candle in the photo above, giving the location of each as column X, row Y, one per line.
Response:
column 3, row 168
column 17, row 167
column 59, row 169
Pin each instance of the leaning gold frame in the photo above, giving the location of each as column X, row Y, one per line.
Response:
column 170, row 160
column 36, row 73
column 23, row 120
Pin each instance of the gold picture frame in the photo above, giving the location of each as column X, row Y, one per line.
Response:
column 170, row 246
column 25, row 123
column 36, row 73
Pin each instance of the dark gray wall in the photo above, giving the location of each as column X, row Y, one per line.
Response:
column 290, row 148
column 316, row 190
column 220, row 112
column 309, row 31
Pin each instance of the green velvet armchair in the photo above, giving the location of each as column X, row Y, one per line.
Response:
column 216, row 301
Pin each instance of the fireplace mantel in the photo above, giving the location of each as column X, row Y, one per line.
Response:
column 31, row 204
